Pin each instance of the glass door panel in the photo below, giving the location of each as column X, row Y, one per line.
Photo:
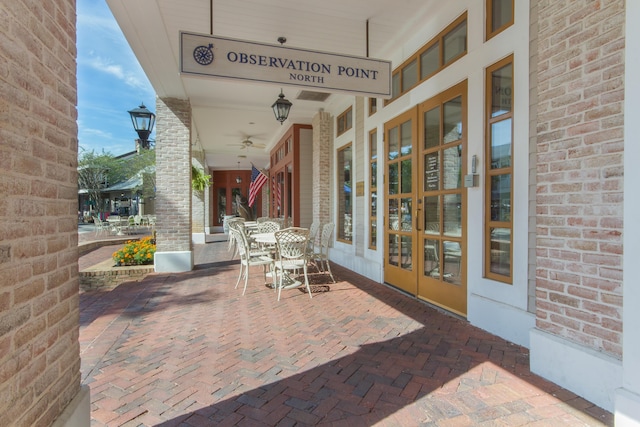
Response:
column 400, row 263
column 442, row 275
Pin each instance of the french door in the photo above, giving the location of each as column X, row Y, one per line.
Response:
column 425, row 238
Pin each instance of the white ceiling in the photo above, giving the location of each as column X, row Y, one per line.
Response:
column 226, row 112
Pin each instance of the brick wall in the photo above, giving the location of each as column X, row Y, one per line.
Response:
column 322, row 153
column 579, row 171
column 173, row 175
column 39, row 314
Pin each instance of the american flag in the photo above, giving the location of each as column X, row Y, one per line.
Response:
column 273, row 191
column 278, row 198
column 257, row 181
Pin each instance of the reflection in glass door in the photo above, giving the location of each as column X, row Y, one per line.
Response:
column 442, row 200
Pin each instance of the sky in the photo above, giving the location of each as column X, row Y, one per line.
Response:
column 110, row 82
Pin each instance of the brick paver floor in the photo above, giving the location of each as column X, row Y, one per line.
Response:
column 189, row 350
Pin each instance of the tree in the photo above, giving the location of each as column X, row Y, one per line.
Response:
column 95, row 173
column 98, row 171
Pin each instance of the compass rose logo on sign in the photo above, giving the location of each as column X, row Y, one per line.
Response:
column 203, row 54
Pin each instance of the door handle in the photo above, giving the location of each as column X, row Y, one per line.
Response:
column 418, row 219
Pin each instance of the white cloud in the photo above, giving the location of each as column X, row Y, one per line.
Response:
column 130, row 78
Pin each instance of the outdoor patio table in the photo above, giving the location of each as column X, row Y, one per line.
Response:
column 118, row 225
column 266, row 238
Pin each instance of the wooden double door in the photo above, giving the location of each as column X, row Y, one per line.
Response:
column 425, row 200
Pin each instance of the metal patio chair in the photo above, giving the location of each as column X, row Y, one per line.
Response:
column 291, row 257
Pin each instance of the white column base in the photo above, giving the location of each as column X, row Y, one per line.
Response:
column 627, row 408
column 173, row 262
column 503, row 320
column 592, row 375
column 198, row 238
column 78, row 411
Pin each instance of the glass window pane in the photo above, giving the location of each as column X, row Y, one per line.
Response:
column 340, row 121
column 406, row 176
column 431, row 258
column 393, row 249
column 452, row 120
column 430, row 61
column 406, row 221
column 452, row 212
column 406, row 135
column 373, row 234
column 432, row 171
column 374, row 174
column 395, row 85
column 452, row 167
column 373, row 145
column 501, row 144
column 344, row 231
column 349, row 119
column 455, row 42
column 452, row 255
column 374, row 203
column 501, row 198
column 500, row 251
column 409, row 75
column 502, row 13
column 406, row 253
column 222, row 204
column 394, row 143
column 394, row 181
column 234, row 205
column 394, row 223
column 502, row 90
column 432, row 215
column 432, row 128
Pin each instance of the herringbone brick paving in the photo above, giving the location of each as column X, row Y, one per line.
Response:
column 189, row 350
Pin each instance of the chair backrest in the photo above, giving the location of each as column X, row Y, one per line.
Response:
column 313, row 230
column 268, row 227
column 325, row 237
column 237, row 223
column 262, row 219
column 241, row 241
column 291, row 243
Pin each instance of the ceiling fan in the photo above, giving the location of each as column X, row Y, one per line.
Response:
column 248, row 143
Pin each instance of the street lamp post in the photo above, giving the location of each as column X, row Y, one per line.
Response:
column 143, row 121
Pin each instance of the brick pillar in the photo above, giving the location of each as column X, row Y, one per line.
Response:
column 579, row 196
column 321, row 167
column 173, row 185
column 39, row 310
column 628, row 396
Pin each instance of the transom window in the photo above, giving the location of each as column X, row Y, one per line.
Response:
column 499, row 16
column 344, row 121
column 444, row 49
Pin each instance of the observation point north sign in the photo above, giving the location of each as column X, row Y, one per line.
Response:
column 206, row 55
